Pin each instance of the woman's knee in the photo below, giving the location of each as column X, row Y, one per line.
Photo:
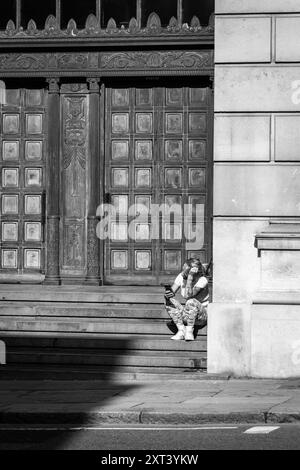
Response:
column 174, row 314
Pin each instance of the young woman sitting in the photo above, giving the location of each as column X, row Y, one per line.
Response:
column 194, row 288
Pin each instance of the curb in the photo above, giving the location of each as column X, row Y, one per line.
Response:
column 146, row 417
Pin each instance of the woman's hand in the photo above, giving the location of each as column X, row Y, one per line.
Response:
column 194, row 271
column 169, row 293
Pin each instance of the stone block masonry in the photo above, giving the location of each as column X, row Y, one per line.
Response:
column 256, row 186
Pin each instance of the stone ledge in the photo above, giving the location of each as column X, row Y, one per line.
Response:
column 272, row 297
column 279, row 236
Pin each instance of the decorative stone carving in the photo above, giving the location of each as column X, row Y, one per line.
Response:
column 93, row 84
column 11, row 28
column 106, row 62
column 92, row 25
column 51, row 26
column 23, row 61
column 173, row 26
column 31, row 28
column 111, row 26
column 73, row 181
column 133, row 26
column 74, row 240
column 211, row 23
column 93, row 28
column 74, row 88
column 50, row 61
column 154, row 24
column 156, row 60
column 73, row 61
column 53, row 85
column 195, row 24
column 75, row 134
column 72, row 28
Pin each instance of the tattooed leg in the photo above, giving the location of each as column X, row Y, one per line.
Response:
column 192, row 311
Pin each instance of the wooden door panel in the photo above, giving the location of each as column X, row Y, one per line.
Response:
column 157, row 151
column 23, row 148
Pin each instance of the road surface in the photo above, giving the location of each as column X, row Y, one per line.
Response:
column 236, row 437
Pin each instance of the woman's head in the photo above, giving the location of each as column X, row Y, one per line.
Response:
column 193, row 263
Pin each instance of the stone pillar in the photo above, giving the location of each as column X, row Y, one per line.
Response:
column 52, row 197
column 253, row 322
column 93, row 261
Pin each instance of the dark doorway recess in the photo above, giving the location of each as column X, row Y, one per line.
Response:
column 120, row 11
column 201, row 8
column 78, row 11
column 165, row 10
column 33, row 10
column 7, row 12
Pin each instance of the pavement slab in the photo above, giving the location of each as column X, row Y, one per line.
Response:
column 86, row 402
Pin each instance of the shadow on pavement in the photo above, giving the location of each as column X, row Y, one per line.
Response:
column 39, row 394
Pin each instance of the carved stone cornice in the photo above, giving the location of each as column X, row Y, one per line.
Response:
column 107, row 63
column 93, row 29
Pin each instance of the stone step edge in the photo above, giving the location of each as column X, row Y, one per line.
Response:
column 77, row 304
column 75, row 372
column 82, row 297
column 134, row 362
column 76, row 319
column 178, row 354
column 81, row 336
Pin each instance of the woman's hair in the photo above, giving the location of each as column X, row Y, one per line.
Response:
column 195, row 262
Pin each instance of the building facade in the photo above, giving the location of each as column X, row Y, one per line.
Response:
column 109, row 104
column 106, row 117
column 254, row 319
column 102, row 110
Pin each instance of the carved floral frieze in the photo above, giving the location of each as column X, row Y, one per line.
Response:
column 105, row 63
column 156, row 60
column 50, row 61
column 93, row 29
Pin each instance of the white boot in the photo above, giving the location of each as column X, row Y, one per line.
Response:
column 180, row 333
column 189, row 333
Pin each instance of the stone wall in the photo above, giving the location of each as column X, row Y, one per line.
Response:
column 256, row 177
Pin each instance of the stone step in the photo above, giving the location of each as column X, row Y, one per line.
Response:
column 93, row 310
column 90, row 325
column 98, row 341
column 48, row 372
column 107, row 294
column 110, row 330
column 107, row 359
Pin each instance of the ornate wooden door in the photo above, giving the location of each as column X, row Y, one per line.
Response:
column 157, row 151
column 23, row 150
